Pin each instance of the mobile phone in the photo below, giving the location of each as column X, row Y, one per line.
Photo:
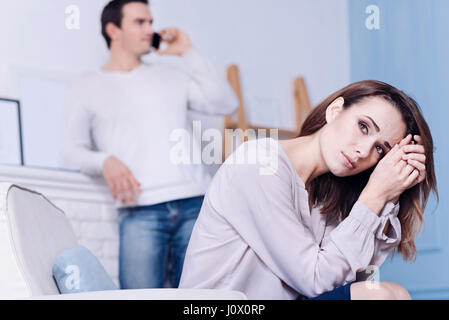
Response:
column 156, row 42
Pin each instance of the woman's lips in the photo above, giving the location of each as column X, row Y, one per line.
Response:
column 348, row 162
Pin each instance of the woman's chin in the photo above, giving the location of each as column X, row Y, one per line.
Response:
column 341, row 172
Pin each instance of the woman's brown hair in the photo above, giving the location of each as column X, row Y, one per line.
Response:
column 337, row 195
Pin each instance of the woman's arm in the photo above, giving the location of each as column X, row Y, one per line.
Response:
column 271, row 214
column 272, row 220
column 386, row 238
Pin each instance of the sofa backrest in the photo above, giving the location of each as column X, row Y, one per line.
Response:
column 33, row 232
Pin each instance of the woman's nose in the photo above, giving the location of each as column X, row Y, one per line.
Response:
column 363, row 151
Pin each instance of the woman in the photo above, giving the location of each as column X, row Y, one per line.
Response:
column 363, row 163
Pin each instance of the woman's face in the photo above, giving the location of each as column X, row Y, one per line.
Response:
column 357, row 138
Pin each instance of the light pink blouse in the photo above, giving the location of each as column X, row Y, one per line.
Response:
column 256, row 234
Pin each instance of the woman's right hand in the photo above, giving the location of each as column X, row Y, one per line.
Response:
column 391, row 177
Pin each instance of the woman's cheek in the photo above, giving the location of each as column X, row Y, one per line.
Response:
column 371, row 164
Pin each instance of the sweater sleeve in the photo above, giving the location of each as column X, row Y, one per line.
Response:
column 262, row 210
column 208, row 92
column 78, row 150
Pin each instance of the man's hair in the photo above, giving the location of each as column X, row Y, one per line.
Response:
column 113, row 12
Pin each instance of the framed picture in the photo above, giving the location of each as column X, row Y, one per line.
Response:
column 11, row 144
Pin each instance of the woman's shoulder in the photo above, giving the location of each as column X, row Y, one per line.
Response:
column 255, row 170
column 258, row 159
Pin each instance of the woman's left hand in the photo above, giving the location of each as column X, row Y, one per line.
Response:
column 415, row 155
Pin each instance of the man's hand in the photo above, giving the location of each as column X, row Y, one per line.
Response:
column 120, row 180
column 178, row 42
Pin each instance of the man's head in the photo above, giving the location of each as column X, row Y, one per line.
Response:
column 127, row 24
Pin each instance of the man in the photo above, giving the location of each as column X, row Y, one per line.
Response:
column 119, row 121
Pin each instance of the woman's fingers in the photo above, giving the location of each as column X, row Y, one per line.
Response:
column 393, row 154
column 408, row 169
column 418, row 165
column 396, row 152
column 418, row 139
column 405, row 141
column 417, row 148
column 413, row 173
column 415, row 156
column 401, row 165
column 411, row 179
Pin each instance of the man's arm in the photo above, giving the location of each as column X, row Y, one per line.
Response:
column 78, row 152
column 208, row 92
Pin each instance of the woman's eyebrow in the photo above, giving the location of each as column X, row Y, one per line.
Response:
column 374, row 123
column 377, row 129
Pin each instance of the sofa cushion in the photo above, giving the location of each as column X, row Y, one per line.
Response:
column 78, row 270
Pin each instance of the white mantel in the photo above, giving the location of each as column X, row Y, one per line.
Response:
column 58, row 184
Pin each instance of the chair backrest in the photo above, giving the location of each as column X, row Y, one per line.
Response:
column 302, row 110
column 32, row 233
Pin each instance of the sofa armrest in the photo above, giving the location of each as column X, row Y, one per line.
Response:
column 150, row 294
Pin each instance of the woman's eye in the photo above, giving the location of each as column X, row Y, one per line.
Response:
column 380, row 150
column 363, row 127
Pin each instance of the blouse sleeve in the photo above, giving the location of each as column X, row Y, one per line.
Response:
column 262, row 210
column 387, row 241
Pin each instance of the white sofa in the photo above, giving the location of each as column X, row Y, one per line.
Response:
column 33, row 232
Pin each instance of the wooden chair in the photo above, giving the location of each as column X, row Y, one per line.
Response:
column 302, row 109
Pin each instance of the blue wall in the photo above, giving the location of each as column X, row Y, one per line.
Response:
column 411, row 51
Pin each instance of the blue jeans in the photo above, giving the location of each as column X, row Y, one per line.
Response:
column 340, row 293
column 153, row 242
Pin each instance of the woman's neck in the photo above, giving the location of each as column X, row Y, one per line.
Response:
column 305, row 155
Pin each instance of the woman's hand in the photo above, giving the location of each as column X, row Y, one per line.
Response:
column 416, row 157
column 392, row 176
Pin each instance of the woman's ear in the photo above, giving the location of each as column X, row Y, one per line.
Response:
column 334, row 109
